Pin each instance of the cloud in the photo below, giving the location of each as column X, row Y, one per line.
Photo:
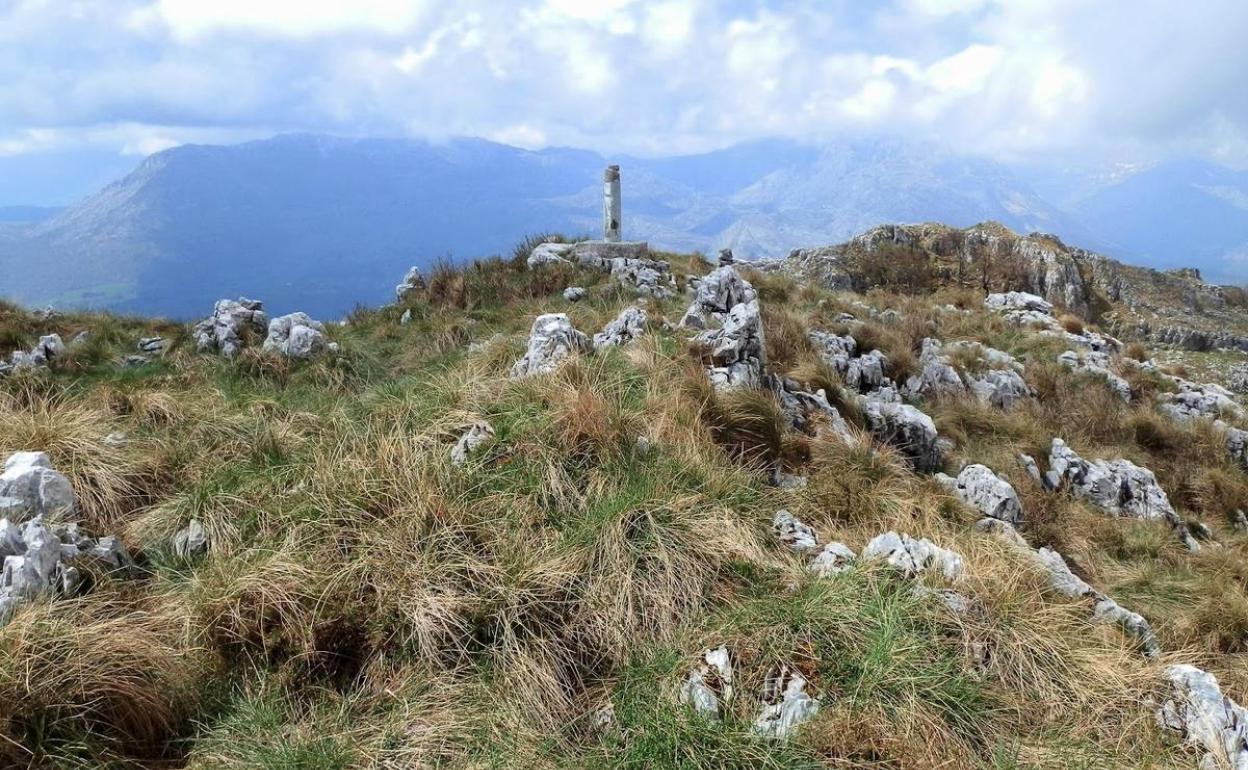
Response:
column 1003, row 77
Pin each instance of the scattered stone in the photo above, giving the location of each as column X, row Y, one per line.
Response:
column 906, row 428
column 412, row 283
column 152, row 345
column 1018, row 301
column 832, row 559
column 297, row 336
column 866, row 372
column 628, row 326
column 736, row 349
column 789, row 482
column 958, row 604
column 709, row 683
column 1202, row 716
column 116, row 440
column 190, row 541
column 1196, row 401
column 551, row 340
column 1002, row 388
column 985, row 491
column 836, row 351
column 810, row 413
column 794, row 533
column 936, row 377
column 574, row 293
column 477, row 434
column 30, row 487
column 787, row 705
column 41, row 356
column 406, row 318
column 232, row 326
column 1032, row 467
column 1239, row 522
column 913, row 557
column 1119, row 487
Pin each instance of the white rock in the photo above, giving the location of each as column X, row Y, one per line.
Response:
column 788, row 708
column 906, row 428
column 1202, row 716
column 936, row 376
column 29, row 487
column 190, row 541
column 296, row 335
column 628, row 326
column 794, row 533
column 737, row 349
column 551, row 340
column 549, row 254
column 832, row 559
column 715, row 295
column 985, row 491
column 710, row 683
column 477, row 434
column 232, row 325
column 574, row 293
column 913, row 557
column 1098, row 364
column 412, row 283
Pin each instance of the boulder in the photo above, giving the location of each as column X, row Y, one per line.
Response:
column 1118, row 487
column 1196, row 401
column 30, row 487
column 574, row 293
column 412, row 283
column 1011, row 301
column 866, row 372
column 786, row 705
column 297, row 336
column 794, row 533
column 628, row 326
column 477, row 434
column 986, row 492
column 231, row 327
column 551, row 340
column 913, row 557
column 737, row 349
column 1200, row 715
column 906, row 428
column 810, row 413
column 647, row 277
column 406, row 318
column 836, row 351
column 41, row 356
column 1002, row 388
column 151, row 345
column 936, row 376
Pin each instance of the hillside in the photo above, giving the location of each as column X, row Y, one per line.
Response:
column 304, row 220
column 758, row 520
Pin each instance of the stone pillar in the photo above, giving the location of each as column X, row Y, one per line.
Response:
column 611, row 204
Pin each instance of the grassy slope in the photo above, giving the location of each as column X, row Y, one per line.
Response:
column 367, row 604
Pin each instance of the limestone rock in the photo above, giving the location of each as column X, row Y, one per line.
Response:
column 1098, row 364
column 406, row 318
column 574, row 293
column 906, row 428
column 985, row 491
column 1013, row 301
column 231, row 327
column 551, row 340
column 832, row 559
column 709, row 683
column 1118, row 487
column 549, row 254
column 715, row 295
column 936, row 377
column 836, row 351
column 30, row 487
column 1002, row 388
column 297, row 336
column 628, row 326
column 913, row 557
column 190, row 541
column 1196, row 401
column 794, row 533
column 412, row 283
column 1202, row 716
column 152, row 345
column 477, row 434
column 787, row 705
column 810, row 413
column 737, row 349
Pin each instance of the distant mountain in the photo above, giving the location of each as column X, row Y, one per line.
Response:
column 1177, row 214
column 319, row 223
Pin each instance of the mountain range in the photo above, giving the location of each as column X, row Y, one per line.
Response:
column 320, row 223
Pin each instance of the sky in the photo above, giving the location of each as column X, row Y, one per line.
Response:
column 110, row 81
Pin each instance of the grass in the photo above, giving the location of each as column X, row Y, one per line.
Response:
column 366, row 603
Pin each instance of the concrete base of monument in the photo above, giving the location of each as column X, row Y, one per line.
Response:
column 600, row 252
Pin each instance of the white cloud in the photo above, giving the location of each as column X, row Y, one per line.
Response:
column 189, row 19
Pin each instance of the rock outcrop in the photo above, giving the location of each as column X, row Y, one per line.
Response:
column 412, row 283
column 551, row 340
column 49, row 348
column 986, row 492
column 297, row 336
column 737, row 350
column 714, row 295
column 31, row 487
column 906, row 428
column 627, row 327
column 912, row 556
column 232, row 326
column 1196, row 710
column 1099, row 365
